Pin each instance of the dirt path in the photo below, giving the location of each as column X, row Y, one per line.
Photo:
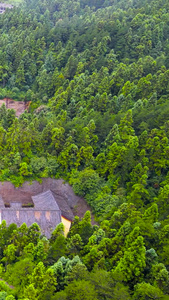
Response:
column 10, row 286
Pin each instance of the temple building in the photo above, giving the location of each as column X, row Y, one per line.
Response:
column 47, row 209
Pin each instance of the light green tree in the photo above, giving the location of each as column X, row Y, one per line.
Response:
column 132, row 264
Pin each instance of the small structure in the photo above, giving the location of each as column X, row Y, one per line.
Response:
column 46, row 212
column 4, row 6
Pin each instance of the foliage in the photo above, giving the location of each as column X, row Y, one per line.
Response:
column 96, row 73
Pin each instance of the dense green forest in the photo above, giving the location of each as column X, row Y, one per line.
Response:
column 97, row 75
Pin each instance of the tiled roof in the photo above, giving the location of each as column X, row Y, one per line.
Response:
column 63, row 205
column 45, row 201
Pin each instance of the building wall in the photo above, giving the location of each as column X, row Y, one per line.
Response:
column 47, row 220
column 66, row 224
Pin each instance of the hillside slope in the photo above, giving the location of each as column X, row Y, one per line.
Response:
column 96, row 73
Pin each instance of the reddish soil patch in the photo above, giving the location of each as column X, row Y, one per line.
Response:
column 18, row 106
column 80, row 208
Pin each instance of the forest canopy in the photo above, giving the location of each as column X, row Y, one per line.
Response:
column 97, row 76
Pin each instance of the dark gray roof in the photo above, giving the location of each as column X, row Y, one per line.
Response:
column 15, row 195
column 45, row 201
column 63, row 205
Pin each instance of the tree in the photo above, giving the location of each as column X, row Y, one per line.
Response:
column 57, row 232
column 18, row 274
column 125, row 127
column 40, row 253
column 58, row 139
column 19, row 238
column 85, row 229
column 42, row 280
column 75, row 244
column 160, row 277
column 145, row 291
column 80, row 290
column 131, row 237
column 108, row 286
column 30, row 292
column 57, row 249
column 9, row 254
column 151, row 214
column 151, row 260
column 10, row 297
column 3, row 295
column 86, row 182
column 132, row 264
column 78, row 272
column 62, row 269
column 93, row 258
column 163, row 250
column 33, row 233
column 162, row 200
